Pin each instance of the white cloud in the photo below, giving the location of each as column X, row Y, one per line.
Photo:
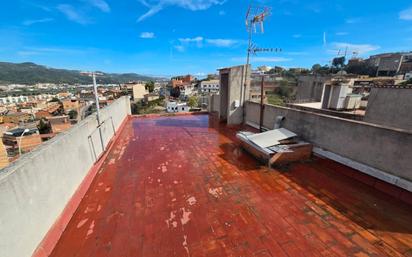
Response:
column 180, row 48
column 215, row 42
column 406, row 14
column 222, row 13
column 100, row 4
column 297, row 36
column 31, row 22
column 198, row 41
column 156, row 6
column 222, row 42
column 359, row 48
column 191, row 40
column 147, row 35
column 72, row 14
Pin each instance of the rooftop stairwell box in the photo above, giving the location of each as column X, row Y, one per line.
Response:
column 36, row 188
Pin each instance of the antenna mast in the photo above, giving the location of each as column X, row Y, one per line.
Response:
column 254, row 15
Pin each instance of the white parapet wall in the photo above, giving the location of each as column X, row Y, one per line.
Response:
column 382, row 148
column 35, row 189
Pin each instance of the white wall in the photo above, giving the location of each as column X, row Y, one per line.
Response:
column 35, row 189
column 383, row 148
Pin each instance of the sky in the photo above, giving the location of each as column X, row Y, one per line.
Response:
column 176, row 37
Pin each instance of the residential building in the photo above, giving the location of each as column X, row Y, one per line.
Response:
column 14, row 99
column 173, row 107
column 59, row 123
column 4, row 158
column 139, row 91
column 17, row 117
column 209, row 86
column 184, row 79
column 71, row 104
column 390, row 64
column 186, row 89
column 43, row 114
column 27, row 141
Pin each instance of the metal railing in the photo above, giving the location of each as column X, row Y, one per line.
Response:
column 99, row 128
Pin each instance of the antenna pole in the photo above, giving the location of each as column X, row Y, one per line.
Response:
column 247, row 66
column 96, row 95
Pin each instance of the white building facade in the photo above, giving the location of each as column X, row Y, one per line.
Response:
column 210, row 86
column 173, row 107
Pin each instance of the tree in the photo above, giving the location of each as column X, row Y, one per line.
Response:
column 134, row 108
column 44, row 127
column 73, row 114
column 361, row 68
column 322, row 70
column 316, row 67
column 55, row 100
column 150, row 85
column 193, row 101
column 339, row 62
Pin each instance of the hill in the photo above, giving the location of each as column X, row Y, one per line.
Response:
column 31, row 73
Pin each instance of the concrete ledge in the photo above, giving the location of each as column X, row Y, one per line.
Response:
column 36, row 189
column 383, row 148
column 52, row 237
column 381, row 175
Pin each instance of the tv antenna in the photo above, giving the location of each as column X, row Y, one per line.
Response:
column 255, row 15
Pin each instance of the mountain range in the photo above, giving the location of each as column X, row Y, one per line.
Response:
column 31, row 73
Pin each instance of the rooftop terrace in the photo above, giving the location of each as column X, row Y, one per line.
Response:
column 182, row 186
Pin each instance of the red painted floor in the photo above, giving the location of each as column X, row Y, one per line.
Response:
column 179, row 186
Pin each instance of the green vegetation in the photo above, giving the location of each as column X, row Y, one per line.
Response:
column 30, row 73
column 155, row 106
column 44, row 127
column 193, row 102
column 285, row 92
column 275, row 99
column 55, row 100
column 73, row 114
column 150, row 85
column 406, row 83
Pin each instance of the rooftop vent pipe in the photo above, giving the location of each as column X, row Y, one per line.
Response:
column 278, row 122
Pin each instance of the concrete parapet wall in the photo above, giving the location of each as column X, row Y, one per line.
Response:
column 35, row 189
column 383, row 148
column 390, row 106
